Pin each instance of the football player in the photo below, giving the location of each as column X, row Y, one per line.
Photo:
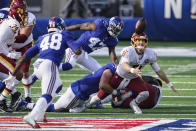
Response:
column 9, row 29
column 128, row 73
column 51, row 48
column 123, row 101
column 79, row 91
column 100, row 33
column 23, row 41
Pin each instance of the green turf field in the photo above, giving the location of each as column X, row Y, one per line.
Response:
column 181, row 71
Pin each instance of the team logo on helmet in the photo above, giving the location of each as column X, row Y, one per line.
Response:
column 136, row 37
column 56, row 24
column 115, row 26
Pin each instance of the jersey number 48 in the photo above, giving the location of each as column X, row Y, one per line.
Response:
column 54, row 43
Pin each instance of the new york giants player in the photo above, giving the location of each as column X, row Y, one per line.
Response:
column 9, row 29
column 23, row 41
column 79, row 91
column 51, row 48
column 4, row 13
column 100, row 33
column 128, row 73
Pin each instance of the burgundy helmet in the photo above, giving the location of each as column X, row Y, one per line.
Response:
column 18, row 11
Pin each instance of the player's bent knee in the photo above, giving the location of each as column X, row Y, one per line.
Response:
column 47, row 97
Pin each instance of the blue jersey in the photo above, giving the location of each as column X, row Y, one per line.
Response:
column 52, row 46
column 90, row 84
column 95, row 39
column 3, row 13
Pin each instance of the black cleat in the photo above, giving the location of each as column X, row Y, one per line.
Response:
column 28, row 99
column 15, row 99
column 4, row 108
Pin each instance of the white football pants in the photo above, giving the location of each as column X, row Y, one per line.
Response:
column 83, row 60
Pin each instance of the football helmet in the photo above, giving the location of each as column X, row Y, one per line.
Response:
column 56, row 24
column 21, row 3
column 19, row 12
column 115, row 26
column 136, row 37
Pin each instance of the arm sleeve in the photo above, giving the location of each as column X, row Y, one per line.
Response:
column 155, row 67
column 33, row 51
column 5, row 34
column 124, row 55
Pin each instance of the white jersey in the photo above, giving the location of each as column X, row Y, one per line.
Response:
column 31, row 21
column 9, row 28
column 130, row 56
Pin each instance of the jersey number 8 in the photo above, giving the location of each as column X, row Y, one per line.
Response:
column 55, row 42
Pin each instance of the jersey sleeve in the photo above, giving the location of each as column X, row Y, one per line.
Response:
column 6, row 34
column 125, row 54
column 112, row 67
column 31, row 19
column 98, row 23
column 33, row 51
column 70, row 41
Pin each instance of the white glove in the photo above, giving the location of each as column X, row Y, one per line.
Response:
column 14, row 55
column 10, row 81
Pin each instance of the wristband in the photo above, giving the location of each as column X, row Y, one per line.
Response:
column 114, row 92
column 132, row 70
column 169, row 84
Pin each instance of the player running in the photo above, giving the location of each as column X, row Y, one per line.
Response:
column 51, row 49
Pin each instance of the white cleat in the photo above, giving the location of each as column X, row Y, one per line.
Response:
column 30, row 121
column 77, row 109
column 135, row 108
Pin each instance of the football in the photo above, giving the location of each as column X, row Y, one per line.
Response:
column 140, row 25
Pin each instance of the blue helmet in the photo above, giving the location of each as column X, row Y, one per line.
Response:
column 56, row 24
column 115, row 26
column 4, row 13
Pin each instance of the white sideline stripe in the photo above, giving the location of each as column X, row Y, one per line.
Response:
column 36, row 87
column 161, row 51
column 103, row 113
column 179, row 96
column 37, row 95
column 174, row 105
column 178, row 76
column 172, row 82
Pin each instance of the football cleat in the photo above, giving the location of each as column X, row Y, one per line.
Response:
column 135, row 107
column 43, row 119
column 98, row 106
column 3, row 106
column 31, row 122
column 15, row 99
column 28, row 99
column 77, row 109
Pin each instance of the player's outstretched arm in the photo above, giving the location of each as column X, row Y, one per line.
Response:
column 84, row 26
column 163, row 76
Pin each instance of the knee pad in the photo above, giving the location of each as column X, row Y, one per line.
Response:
column 47, row 97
